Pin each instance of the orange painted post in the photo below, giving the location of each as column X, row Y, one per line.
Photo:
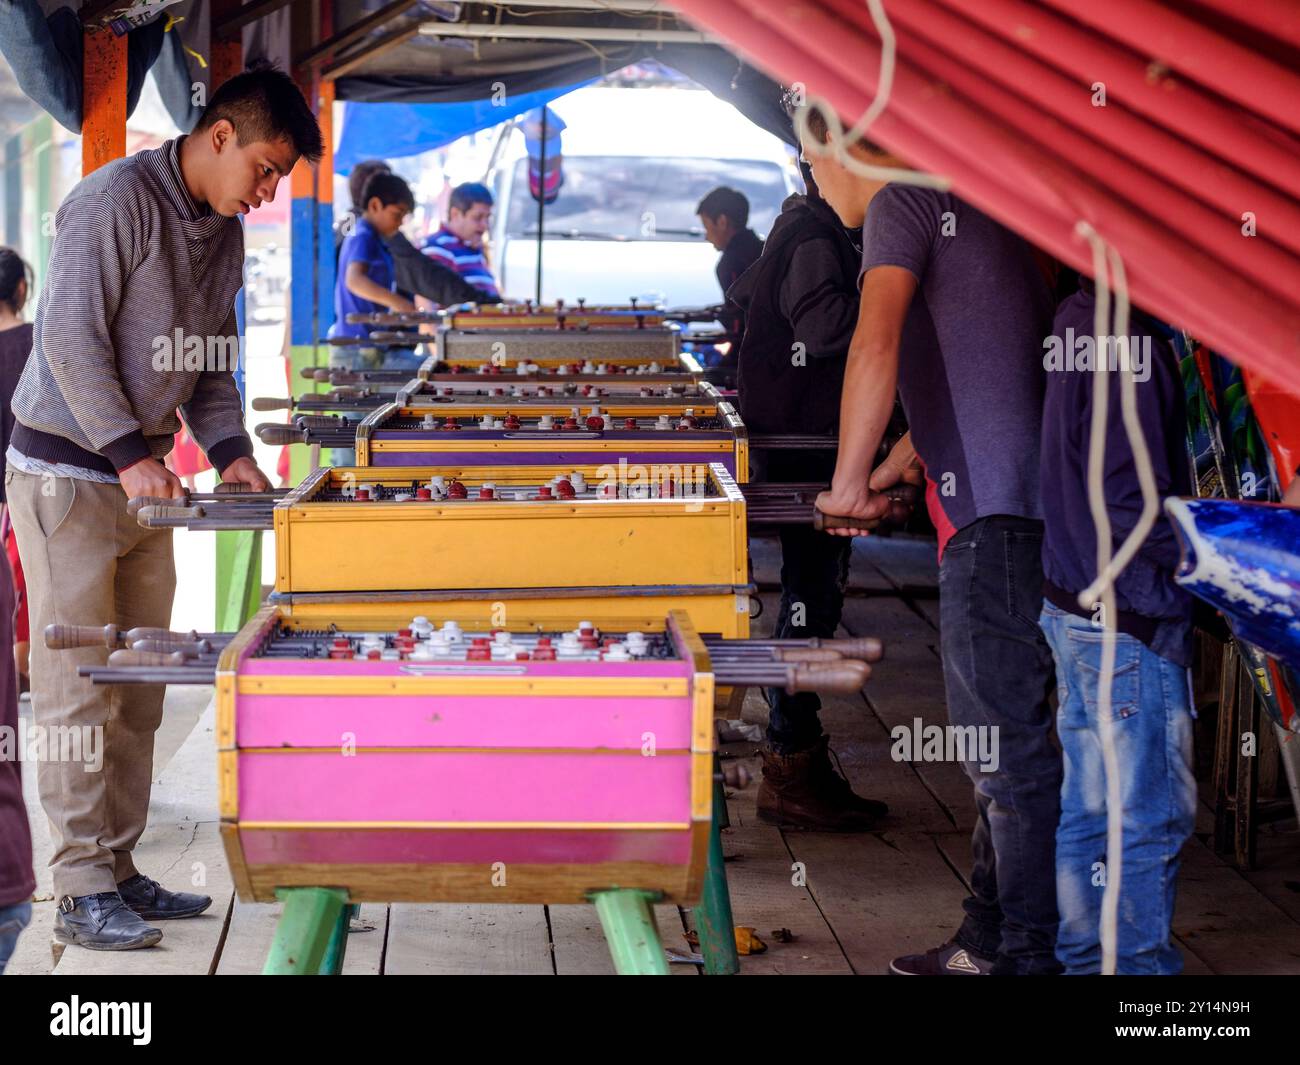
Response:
column 103, row 123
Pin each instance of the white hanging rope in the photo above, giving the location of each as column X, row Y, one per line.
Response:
column 838, row 141
column 1109, row 563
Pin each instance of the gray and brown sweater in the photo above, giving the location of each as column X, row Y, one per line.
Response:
column 136, row 320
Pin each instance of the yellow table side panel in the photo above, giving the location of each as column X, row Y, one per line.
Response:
column 554, row 546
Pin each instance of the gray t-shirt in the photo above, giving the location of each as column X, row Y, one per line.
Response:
column 971, row 373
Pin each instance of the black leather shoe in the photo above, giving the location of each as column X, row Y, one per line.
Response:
column 154, row 902
column 102, row 922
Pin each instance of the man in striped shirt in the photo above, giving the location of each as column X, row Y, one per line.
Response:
column 459, row 243
column 136, row 323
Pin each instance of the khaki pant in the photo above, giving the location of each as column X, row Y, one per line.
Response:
column 89, row 563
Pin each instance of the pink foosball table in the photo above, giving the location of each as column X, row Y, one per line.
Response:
column 451, row 761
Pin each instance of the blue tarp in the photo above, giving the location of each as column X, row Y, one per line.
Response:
column 389, row 131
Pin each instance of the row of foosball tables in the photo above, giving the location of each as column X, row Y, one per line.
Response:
column 489, row 666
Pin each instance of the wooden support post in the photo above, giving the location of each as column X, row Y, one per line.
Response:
column 631, row 932
column 103, row 123
column 308, row 924
column 304, row 235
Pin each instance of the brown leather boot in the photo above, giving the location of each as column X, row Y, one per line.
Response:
column 803, row 790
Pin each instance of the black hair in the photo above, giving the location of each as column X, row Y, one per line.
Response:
column 817, row 126
column 13, row 268
column 361, row 173
column 724, row 200
column 389, row 188
column 465, row 196
column 264, row 104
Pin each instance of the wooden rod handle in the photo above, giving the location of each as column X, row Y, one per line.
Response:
column 280, row 433
column 272, row 403
column 809, row 654
column 865, row 648
column 67, row 637
column 167, row 517
column 838, row 678
column 134, row 505
column 146, row 632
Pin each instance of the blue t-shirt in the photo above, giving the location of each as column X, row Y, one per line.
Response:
column 971, row 373
column 364, row 246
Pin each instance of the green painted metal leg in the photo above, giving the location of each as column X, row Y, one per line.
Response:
column 239, row 578
column 630, row 930
column 303, row 937
column 332, row 962
column 713, row 920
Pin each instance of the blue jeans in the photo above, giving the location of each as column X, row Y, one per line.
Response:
column 1152, row 719
column 997, row 672
column 13, row 919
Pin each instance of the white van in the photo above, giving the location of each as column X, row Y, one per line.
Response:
column 636, row 162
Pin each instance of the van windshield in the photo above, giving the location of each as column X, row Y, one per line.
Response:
column 641, row 197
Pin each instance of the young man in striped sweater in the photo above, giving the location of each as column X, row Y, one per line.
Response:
column 136, row 323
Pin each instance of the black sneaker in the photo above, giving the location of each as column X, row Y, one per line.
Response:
column 102, row 922
column 153, row 902
column 947, row 960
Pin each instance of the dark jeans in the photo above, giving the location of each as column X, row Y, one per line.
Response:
column 998, row 672
column 814, row 573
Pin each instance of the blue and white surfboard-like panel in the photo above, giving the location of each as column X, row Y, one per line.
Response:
column 1244, row 559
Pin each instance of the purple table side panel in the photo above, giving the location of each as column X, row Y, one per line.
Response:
column 423, row 786
column 555, row 458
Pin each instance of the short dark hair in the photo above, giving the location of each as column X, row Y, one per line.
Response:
column 263, row 104
column 13, row 268
column 389, row 188
column 465, row 196
column 817, row 122
column 361, row 173
column 724, row 200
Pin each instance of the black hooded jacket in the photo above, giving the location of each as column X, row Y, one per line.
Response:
column 800, row 301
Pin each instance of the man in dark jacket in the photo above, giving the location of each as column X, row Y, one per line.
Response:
column 1151, row 709
column 800, row 302
column 724, row 213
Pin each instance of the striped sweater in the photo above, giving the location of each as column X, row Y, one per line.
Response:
column 448, row 249
column 136, row 320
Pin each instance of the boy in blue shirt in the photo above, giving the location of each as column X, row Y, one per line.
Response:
column 364, row 284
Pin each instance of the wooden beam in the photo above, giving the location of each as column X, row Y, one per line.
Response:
column 103, row 120
column 376, row 48
column 354, row 32
column 230, row 24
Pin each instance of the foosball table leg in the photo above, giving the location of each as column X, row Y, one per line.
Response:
column 311, row 932
column 631, row 932
column 713, row 920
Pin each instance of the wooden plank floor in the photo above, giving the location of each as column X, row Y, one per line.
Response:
column 822, row 903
